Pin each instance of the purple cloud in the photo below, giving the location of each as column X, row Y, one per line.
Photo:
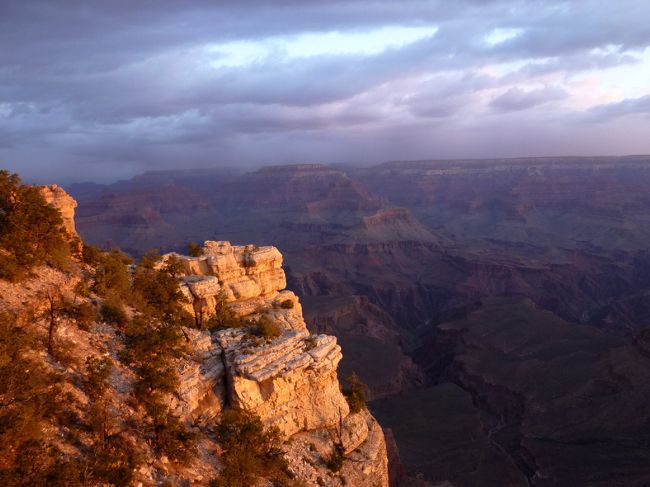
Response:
column 133, row 84
column 518, row 99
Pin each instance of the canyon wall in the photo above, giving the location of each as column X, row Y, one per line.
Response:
column 290, row 381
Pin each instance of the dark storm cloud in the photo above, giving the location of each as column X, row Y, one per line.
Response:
column 138, row 85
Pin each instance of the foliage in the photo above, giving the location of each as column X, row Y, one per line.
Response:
column 250, row 451
column 111, row 464
column 84, row 314
column 151, row 348
column 335, row 461
column 112, row 311
column 355, row 393
column 29, row 397
column 286, row 304
column 81, row 289
column 174, row 439
column 56, row 307
column 111, row 275
column 31, row 231
column 91, row 255
column 156, row 292
column 266, row 327
column 194, row 250
column 98, row 370
column 223, row 316
column 111, row 459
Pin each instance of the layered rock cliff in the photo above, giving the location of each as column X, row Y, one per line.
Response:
column 289, row 381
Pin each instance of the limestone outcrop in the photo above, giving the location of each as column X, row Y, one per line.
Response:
column 290, row 380
column 56, row 196
column 290, row 383
column 202, row 392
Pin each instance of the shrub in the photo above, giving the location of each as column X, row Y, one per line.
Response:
column 174, row 439
column 85, row 315
column 286, row 304
column 156, row 291
column 194, row 249
column 311, row 342
column 355, row 393
column 113, row 463
column 250, row 451
column 31, row 398
column 111, row 275
column 81, row 289
column 112, row 311
column 91, row 255
column 267, row 328
column 98, row 370
column 223, row 316
column 31, row 231
column 335, row 461
column 150, row 348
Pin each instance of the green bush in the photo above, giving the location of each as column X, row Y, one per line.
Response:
column 194, row 249
column 286, row 304
column 113, row 463
column 355, row 393
column 98, row 370
column 174, row 439
column 250, row 451
column 156, row 292
column 31, row 231
column 84, row 314
column 111, row 275
column 223, row 316
column 112, row 312
column 91, row 255
column 31, row 400
column 265, row 327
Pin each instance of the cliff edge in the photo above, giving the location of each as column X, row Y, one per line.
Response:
column 290, row 381
column 130, row 379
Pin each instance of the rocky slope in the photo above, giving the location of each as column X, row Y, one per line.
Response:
column 290, row 380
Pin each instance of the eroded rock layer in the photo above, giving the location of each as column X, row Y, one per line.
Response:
column 290, row 380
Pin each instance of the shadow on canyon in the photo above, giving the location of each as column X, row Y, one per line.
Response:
column 497, row 309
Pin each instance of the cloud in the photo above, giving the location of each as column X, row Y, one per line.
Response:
column 518, row 99
column 630, row 106
column 85, row 84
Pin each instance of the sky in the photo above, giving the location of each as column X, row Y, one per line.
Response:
column 103, row 90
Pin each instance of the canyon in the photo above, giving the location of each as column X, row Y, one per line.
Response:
column 462, row 292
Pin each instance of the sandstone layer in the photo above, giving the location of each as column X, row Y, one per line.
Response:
column 290, row 381
column 56, row 196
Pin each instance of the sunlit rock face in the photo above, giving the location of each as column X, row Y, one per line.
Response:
column 56, row 196
column 290, row 381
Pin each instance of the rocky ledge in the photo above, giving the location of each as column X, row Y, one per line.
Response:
column 290, row 381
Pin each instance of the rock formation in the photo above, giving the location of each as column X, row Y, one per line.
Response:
column 287, row 377
column 56, row 196
column 289, row 381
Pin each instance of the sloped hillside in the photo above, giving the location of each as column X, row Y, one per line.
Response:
column 174, row 370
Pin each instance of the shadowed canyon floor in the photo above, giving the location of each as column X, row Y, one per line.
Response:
column 497, row 309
